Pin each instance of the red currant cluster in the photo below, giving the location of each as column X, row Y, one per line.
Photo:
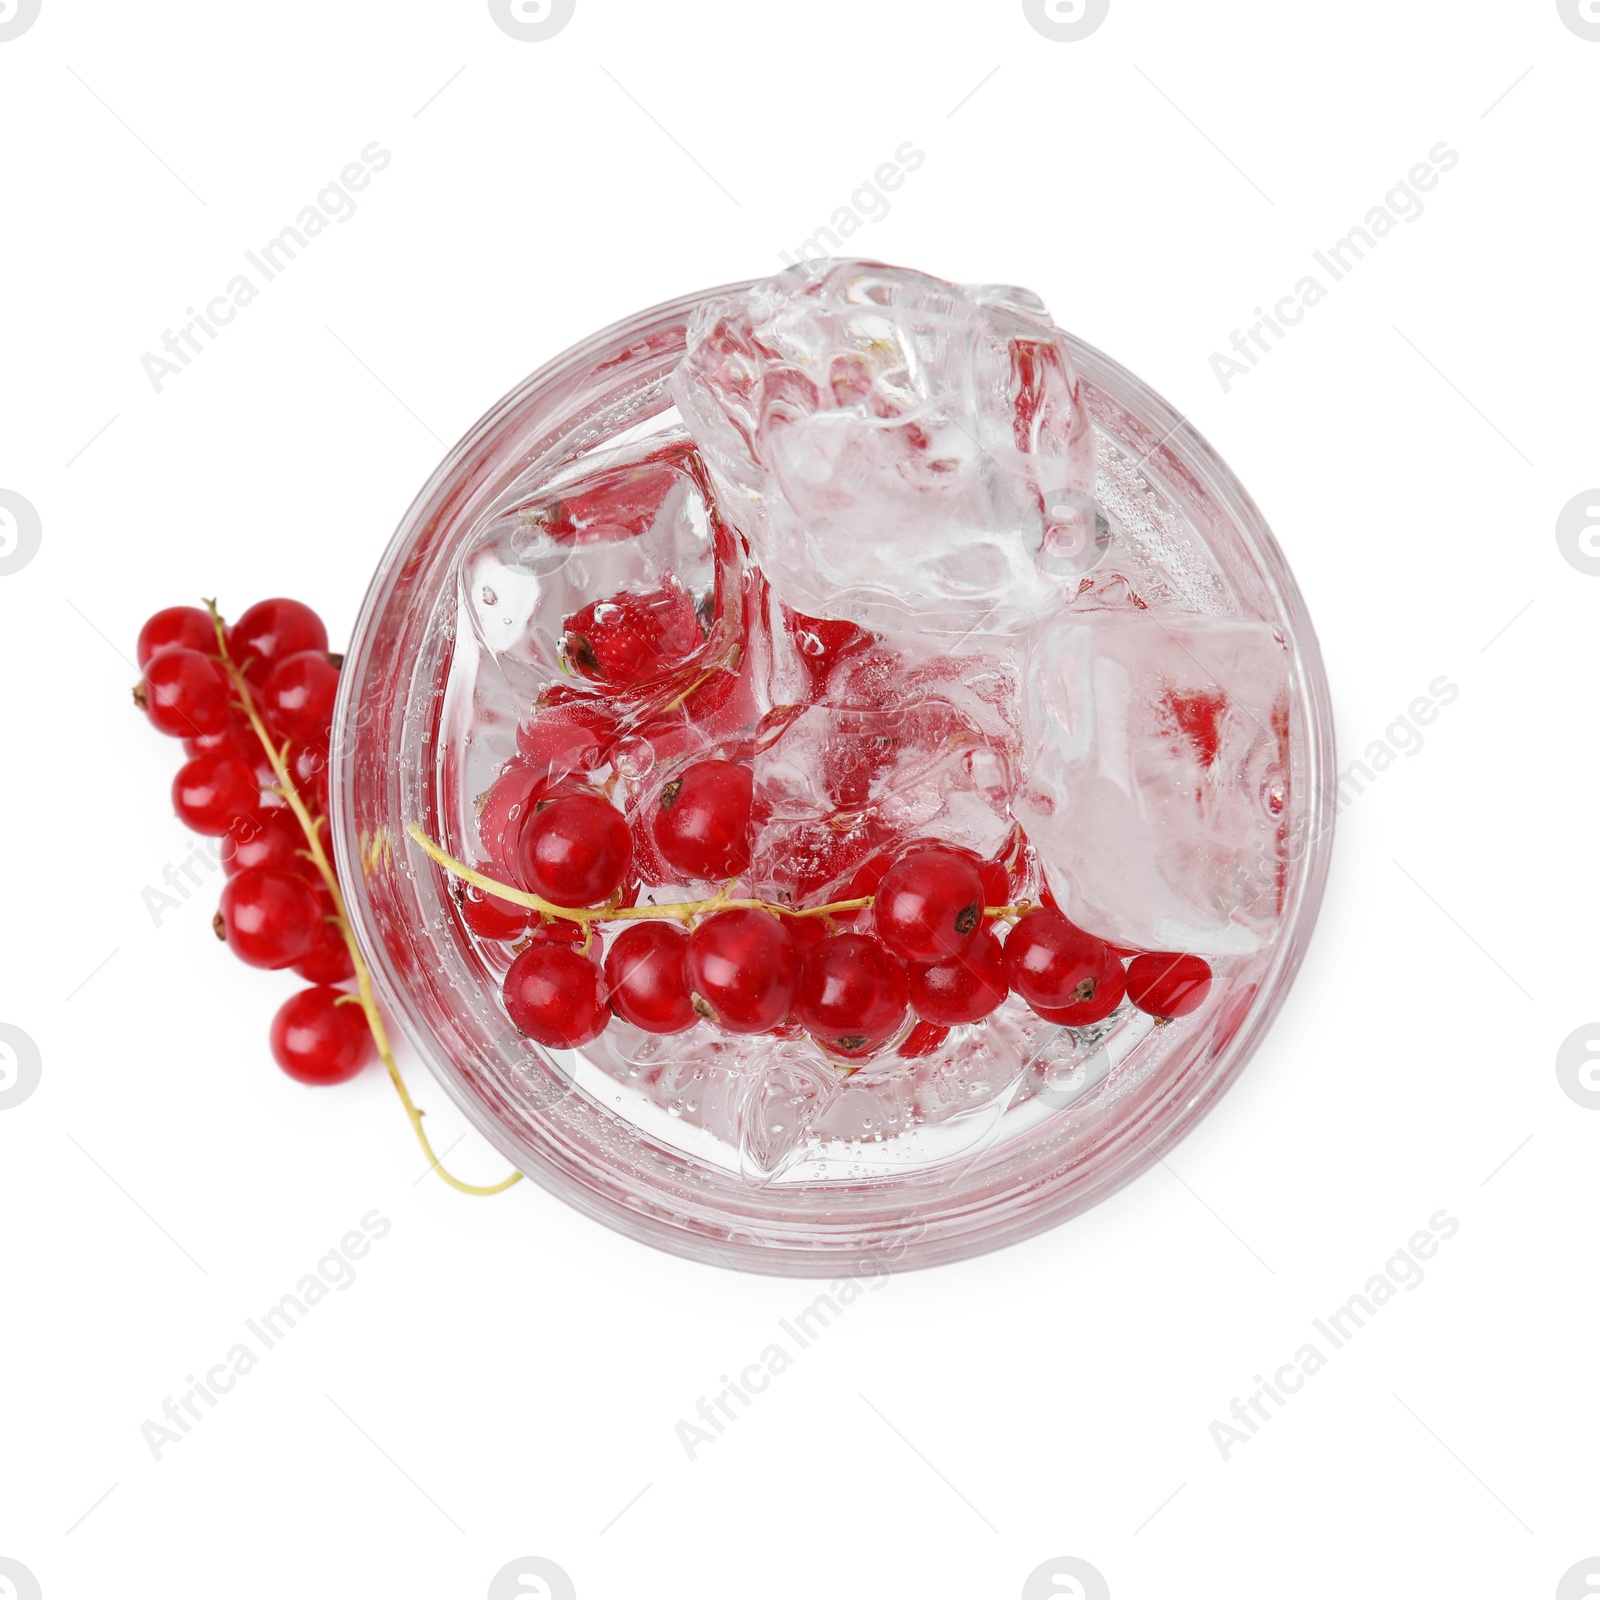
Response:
column 919, row 954
column 253, row 705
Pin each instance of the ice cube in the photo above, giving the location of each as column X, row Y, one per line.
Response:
column 901, row 452
column 629, row 546
column 1156, row 788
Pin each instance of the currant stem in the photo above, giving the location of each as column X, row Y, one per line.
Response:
column 291, row 794
column 678, row 911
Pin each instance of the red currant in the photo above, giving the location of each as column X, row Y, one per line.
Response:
column 965, row 989
column 214, row 793
column 556, row 995
column 568, row 736
column 744, row 966
column 852, row 993
column 320, row 1036
column 328, row 959
column 633, row 637
column 271, row 918
column 923, row 1040
column 929, row 905
column 648, row 977
column 704, row 824
column 1110, row 988
column 276, row 840
column 237, row 739
column 574, row 851
column 1052, row 963
column 271, row 630
column 308, row 766
column 1168, row 985
column 178, row 627
column 487, row 914
column 185, row 694
column 297, row 698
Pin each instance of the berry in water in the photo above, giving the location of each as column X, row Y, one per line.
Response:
column 964, row 989
column 487, row 914
column 743, row 964
column 271, row 630
column 296, row 700
column 556, row 995
column 320, row 1036
column 574, row 851
column 852, row 994
column 178, row 627
column 703, row 824
column 1168, row 985
column 1110, row 988
column 215, row 793
column 568, row 736
column 923, row 1040
column 1052, row 963
column 632, row 638
column 270, row 918
column 648, row 977
column 184, row 694
column 929, row 905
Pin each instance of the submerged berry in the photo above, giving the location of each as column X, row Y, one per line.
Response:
column 648, row 976
column 744, row 966
column 852, row 993
column 965, row 988
column 703, row 823
column 556, row 995
column 574, row 851
column 1168, row 985
column 929, row 905
column 631, row 638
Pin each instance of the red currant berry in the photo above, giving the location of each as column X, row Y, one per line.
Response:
column 1110, row 988
column 567, row 737
column 923, row 1040
column 178, row 627
column 184, row 694
column 328, row 959
column 213, row 793
column 487, row 914
column 1052, row 963
column 648, row 977
column 1168, row 985
column 321, row 1036
column 237, row 739
column 308, row 766
column 574, row 851
column 852, row 993
column 631, row 638
column 556, row 995
column 703, row 826
column 929, row 905
column 271, row 630
column 297, row 697
column 557, row 930
column 270, row 918
column 274, row 840
column 744, row 966
column 965, row 989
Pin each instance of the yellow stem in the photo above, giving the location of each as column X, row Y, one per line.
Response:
column 679, row 911
column 369, row 1006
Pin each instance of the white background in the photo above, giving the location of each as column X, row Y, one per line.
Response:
column 504, row 1378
